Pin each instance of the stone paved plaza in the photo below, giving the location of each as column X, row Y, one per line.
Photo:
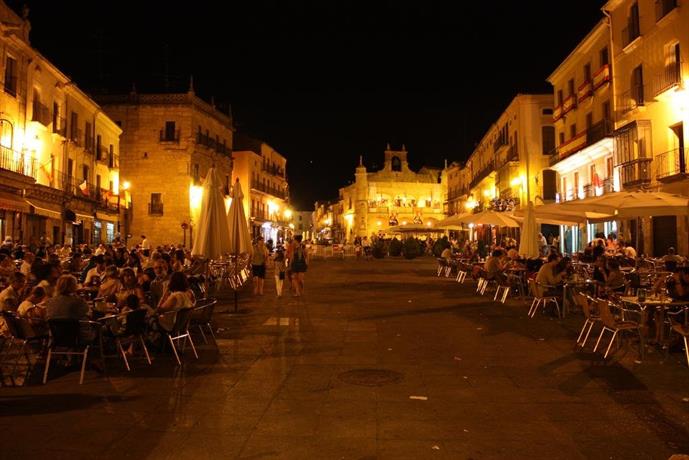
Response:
column 468, row 378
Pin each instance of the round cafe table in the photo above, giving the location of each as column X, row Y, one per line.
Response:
column 658, row 305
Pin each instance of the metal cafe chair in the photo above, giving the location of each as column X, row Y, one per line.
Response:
column 592, row 317
column 134, row 329
column 20, row 331
column 681, row 328
column 540, row 299
column 202, row 316
column 616, row 326
column 66, row 334
column 179, row 331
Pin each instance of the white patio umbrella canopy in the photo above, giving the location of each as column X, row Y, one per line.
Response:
column 528, row 246
column 212, row 235
column 490, row 218
column 414, row 228
column 634, row 204
column 240, row 240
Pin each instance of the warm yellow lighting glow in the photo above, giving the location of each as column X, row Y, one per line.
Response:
column 404, row 222
column 291, row 226
column 471, row 225
column 429, row 223
column 126, row 185
column 470, row 204
column 272, row 207
column 288, row 213
column 488, row 193
column 379, row 223
column 516, row 181
column 328, row 221
column 195, row 199
column 349, row 218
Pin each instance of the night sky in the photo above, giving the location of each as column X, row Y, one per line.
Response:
column 324, row 81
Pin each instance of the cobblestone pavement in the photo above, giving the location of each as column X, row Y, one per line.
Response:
column 380, row 359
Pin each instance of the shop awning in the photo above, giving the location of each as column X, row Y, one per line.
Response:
column 10, row 202
column 44, row 210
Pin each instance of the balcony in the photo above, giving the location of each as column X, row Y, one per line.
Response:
column 105, row 200
column 670, row 77
column 569, row 104
column 211, row 143
column 269, row 190
column 631, row 32
column 636, row 172
column 17, row 163
column 585, row 91
column 569, row 148
column 169, row 136
column 274, row 170
column 499, row 143
column 155, row 209
column 75, row 135
column 40, row 113
column 557, row 112
column 482, row 173
column 630, row 100
column 591, row 190
column 60, row 126
column 671, row 165
column 601, row 77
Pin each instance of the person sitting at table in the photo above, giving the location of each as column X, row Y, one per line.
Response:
column 629, row 251
column 48, row 276
column 615, row 278
column 495, row 266
column 672, row 259
column 66, row 304
column 598, row 248
column 677, row 285
column 111, row 283
column 447, row 254
column 10, row 297
column 551, row 274
column 31, row 307
column 177, row 297
column 97, row 270
column 600, row 270
column 129, row 286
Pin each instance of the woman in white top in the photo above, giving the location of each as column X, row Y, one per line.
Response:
column 177, row 297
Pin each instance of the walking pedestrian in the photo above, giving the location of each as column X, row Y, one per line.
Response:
column 258, row 265
column 298, row 263
column 279, row 265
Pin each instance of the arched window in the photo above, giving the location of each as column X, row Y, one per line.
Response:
column 396, row 164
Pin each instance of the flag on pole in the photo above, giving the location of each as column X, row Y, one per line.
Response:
column 84, row 187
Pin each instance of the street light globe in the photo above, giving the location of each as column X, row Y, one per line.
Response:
column 288, row 213
column 126, row 185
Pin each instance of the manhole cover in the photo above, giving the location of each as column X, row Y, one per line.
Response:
column 370, row 377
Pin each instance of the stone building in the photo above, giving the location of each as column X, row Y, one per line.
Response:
column 262, row 173
column 649, row 51
column 303, row 225
column 59, row 152
column 169, row 142
column 394, row 195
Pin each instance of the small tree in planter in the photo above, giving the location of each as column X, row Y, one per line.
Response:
column 395, row 247
column 379, row 249
column 411, row 248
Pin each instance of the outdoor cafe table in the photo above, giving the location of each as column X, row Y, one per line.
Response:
column 657, row 304
column 573, row 285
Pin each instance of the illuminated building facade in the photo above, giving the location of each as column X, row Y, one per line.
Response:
column 169, row 142
column 649, row 51
column 394, row 195
column 583, row 159
column 505, row 168
column 59, row 153
column 457, row 189
column 262, row 172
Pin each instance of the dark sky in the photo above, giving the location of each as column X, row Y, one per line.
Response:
column 324, row 81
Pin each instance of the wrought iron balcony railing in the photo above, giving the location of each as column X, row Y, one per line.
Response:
column 671, row 164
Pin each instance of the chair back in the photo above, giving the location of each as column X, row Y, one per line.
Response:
column 182, row 321
column 204, row 310
column 535, row 288
column 64, row 332
column 136, row 322
column 12, row 324
column 606, row 315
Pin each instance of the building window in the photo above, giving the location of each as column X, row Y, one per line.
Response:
column 11, row 76
column 587, row 73
column 6, row 134
column 606, row 110
column 88, row 137
column 155, row 207
column 99, row 153
column 562, row 138
column 559, row 97
column 74, row 127
column 604, row 58
column 608, row 167
column 564, row 189
column 570, row 87
column 196, row 173
column 589, row 120
column 169, row 133
column 573, row 131
column 111, row 156
column 548, row 139
column 637, row 88
column 632, row 31
column 547, row 111
column 663, row 7
column 396, row 165
column 85, row 173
